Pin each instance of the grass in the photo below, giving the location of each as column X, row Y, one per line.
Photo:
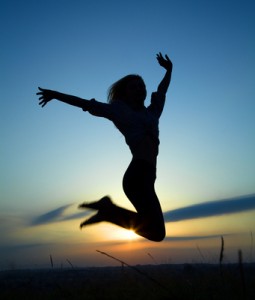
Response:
column 188, row 281
column 159, row 282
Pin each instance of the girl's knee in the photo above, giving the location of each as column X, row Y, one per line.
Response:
column 159, row 235
column 156, row 233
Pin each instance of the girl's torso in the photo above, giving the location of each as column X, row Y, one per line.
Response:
column 140, row 129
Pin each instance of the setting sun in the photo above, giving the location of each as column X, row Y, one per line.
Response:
column 124, row 234
column 130, row 235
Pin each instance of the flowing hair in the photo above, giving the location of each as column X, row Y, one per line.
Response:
column 117, row 90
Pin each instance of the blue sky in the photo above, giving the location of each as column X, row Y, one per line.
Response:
column 56, row 157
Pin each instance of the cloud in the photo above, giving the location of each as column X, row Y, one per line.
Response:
column 50, row 216
column 57, row 215
column 195, row 237
column 212, row 208
column 207, row 209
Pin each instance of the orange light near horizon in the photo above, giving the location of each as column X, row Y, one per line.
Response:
column 130, row 235
column 124, row 234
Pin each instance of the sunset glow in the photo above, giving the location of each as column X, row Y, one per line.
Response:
column 56, row 157
column 119, row 234
column 129, row 235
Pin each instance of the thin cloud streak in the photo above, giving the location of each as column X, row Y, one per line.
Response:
column 195, row 237
column 203, row 210
column 57, row 215
column 50, row 216
column 212, row 208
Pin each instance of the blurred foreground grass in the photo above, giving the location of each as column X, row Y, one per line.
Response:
column 157, row 282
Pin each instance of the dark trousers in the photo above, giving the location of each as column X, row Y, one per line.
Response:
column 138, row 185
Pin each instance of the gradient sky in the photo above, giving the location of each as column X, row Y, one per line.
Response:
column 54, row 158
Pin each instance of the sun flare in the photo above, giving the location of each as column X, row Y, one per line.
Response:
column 130, row 235
column 125, row 234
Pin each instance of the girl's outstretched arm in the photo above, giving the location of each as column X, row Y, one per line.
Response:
column 168, row 66
column 48, row 95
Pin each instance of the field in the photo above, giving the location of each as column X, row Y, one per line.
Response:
column 148, row 282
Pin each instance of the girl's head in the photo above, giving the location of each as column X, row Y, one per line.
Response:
column 131, row 89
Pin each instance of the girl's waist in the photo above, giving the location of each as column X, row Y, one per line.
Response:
column 146, row 149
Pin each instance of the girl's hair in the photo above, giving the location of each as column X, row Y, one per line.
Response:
column 117, row 90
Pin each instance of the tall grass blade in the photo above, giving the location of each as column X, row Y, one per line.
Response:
column 51, row 261
column 221, row 250
column 251, row 258
column 138, row 271
column 154, row 260
column 240, row 263
column 70, row 263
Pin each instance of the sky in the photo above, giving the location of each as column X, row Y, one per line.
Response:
column 56, row 157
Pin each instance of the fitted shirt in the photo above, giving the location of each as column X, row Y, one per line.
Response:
column 135, row 125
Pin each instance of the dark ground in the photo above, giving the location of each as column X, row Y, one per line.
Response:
column 140, row 282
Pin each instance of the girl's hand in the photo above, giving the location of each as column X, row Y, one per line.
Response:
column 45, row 96
column 164, row 62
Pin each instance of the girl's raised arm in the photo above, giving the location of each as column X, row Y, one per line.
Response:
column 168, row 66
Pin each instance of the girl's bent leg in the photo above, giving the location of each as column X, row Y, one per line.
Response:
column 138, row 185
column 145, row 226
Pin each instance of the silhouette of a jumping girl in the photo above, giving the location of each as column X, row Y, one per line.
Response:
column 139, row 125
